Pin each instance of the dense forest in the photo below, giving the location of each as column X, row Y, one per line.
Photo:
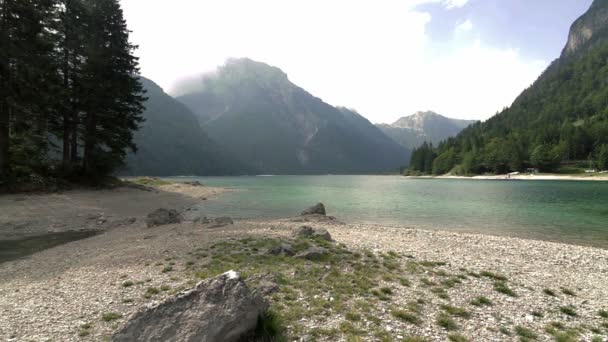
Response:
column 70, row 97
column 559, row 123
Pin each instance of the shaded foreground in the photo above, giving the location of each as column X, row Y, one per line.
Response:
column 373, row 283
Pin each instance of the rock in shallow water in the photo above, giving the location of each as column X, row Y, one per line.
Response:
column 217, row 309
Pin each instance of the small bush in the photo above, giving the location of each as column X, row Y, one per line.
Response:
column 481, row 301
column 447, row 322
column 525, row 333
column 111, row 316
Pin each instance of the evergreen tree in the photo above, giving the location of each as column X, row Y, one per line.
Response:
column 113, row 106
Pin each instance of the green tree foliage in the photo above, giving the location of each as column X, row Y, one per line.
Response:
column 602, row 162
column 562, row 117
column 68, row 83
column 422, row 159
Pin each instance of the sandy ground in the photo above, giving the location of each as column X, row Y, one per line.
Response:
column 48, row 296
column 27, row 215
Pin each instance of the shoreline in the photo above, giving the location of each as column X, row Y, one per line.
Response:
column 526, row 177
column 86, row 278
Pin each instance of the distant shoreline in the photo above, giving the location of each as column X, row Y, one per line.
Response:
column 526, row 177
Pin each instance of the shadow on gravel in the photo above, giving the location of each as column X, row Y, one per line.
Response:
column 18, row 248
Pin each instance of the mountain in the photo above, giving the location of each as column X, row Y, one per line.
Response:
column 171, row 142
column 562, row 119
column 412, row 131
column 254, row 111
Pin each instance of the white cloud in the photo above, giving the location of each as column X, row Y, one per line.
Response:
column 465, row 26
column 371, row 56
column 450, row 4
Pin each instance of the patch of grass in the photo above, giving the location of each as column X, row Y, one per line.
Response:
column 128, row 283
column 494, row 276
column 440, row 292
column 457, row 338
column 386, row 290
column 474, row 275
column 525, row 334
column 502, row 287
column 428, row 282
column 352, row 316
column 167, row 269
column 406, row 316
column 537, row 313
column 451, row 282
column 83, row 333
column 455, row 311
column 446, row 322
column 568, row 310
column 404, row 282
column 414, row 339
column 481, row 301
column 568, row 292
column 505, row 331
column 110, row 316
column 270, row 328
column 432, row 263
column 165, row 288
column 152, row 291
column 380, row 295
column 549, row 292
column 603, row 313
column 127, row 300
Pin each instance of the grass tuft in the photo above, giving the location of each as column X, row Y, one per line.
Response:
column 549, row 292
column 568, row 310
column 110, row 316
column 502, row 287
column 525, row 334
column 446, row 322
column 457, row 338
column 481, row 301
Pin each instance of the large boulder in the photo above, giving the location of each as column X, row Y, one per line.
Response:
column 317, row 209
column 217, row 309
column 161, row 217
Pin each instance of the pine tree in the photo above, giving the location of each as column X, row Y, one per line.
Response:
column 113, row 106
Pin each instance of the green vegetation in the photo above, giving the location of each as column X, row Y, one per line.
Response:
column 481, row 301
column 127, row 283
column 455, row 311
column 549, row 292
column 457, row 338
column 525, row 334
column 446, row 322
column 568, row 310
column 110, row 316
column 502, row 287
column 270, row 328
column 568, row 292
column 559, row 122
column 494, row 276
column 150, row 181
column 603, row 313
column 70, row 98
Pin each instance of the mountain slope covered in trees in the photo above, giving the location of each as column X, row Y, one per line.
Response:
column 561, row 119
column 171, row 142
column 256, row 113
column 412, row 131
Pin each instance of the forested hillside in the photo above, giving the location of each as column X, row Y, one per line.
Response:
column 562, row 119
column 70, row 98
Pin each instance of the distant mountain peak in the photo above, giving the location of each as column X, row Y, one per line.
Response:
column 413, row 130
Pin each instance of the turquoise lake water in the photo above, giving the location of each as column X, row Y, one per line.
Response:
column 567, row 211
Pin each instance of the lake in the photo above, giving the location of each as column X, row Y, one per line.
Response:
column 566, row 211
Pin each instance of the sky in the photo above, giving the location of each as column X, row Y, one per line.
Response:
column 386, row 59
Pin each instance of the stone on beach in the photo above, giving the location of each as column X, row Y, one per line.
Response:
column 216, row 309
column 309, row 232
column 317, row 209
column 161, row 217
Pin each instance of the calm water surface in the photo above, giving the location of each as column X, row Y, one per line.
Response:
column 566, row 211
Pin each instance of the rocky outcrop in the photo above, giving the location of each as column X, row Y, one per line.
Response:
column 586, row 28
column 161, row 217
column 309, row 232
column 317, row 209
column 217, row 309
